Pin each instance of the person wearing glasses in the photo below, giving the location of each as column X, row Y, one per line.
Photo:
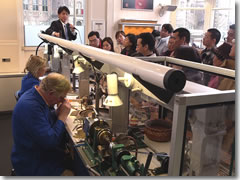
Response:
column 94, row 39
column 39, row 131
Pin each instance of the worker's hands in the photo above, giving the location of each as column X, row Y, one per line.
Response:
column 56, row 34
column 63, row 110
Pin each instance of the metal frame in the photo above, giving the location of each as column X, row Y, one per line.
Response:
column 181, row 103
column 199, row 66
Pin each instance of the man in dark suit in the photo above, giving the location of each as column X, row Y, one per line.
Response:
column 61, row 28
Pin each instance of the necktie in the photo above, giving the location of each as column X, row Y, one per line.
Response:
column 66, row 32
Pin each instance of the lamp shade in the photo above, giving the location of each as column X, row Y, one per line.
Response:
column 56, row 54
column 112, row 101
column 112, row 98
column 78, row 69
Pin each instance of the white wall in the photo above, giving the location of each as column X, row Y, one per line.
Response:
column 120, row 13
column 9, row 44
column 112, row 13
column 9, row 85
column 95, row 10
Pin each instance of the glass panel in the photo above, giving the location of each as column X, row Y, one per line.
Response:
column 190, row 19
column 222, row 19
column 35, row 7
column 210, row 141
column 225, row 4
column 25, row 4
column 44, row 2
column 142, row 108
column 37, row 19
column 193, row 20
column 35, row 2
column 190, row 3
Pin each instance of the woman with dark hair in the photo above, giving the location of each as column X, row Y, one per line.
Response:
column 107, row 44
column 120, row 36
column 222, row 59
column 130, row 43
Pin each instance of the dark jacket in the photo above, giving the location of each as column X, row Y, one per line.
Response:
column 28, row 82
column 56, row 26
column 131, row 52
column 38, row 137
column 207, row 56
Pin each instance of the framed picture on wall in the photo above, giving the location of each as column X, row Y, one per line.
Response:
column 137, row 4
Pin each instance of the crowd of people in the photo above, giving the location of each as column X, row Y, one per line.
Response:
column 39, row 129
column 176, row 43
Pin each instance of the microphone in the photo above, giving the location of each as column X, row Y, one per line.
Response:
column 68, row 25
column 43, row 32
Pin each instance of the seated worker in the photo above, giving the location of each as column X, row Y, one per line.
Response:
column 61, row 28
column 94, row 39
column 36, row 67
column 39, row 132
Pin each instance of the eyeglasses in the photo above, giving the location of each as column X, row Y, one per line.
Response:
column 93, row 40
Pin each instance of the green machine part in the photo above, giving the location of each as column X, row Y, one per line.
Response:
column 116, row 150
column 132, row 165
column 122, row 157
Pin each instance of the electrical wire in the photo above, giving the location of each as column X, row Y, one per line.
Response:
column 135, row 142
column 38, row 47
column 79, row 35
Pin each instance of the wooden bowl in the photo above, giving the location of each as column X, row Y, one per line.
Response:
column 158, row 130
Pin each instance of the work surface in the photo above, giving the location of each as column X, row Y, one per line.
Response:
column 74, row 129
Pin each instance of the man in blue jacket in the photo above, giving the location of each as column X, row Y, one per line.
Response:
column 38, row 131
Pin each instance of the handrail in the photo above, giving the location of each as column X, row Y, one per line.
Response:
column 199, row 66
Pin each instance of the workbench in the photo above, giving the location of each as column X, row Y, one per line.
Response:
column 78, row 143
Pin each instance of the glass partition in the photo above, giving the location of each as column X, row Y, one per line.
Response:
column 209, row 143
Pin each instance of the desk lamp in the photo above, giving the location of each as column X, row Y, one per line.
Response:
column 112, row 98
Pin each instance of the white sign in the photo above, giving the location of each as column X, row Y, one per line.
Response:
column 99, row 26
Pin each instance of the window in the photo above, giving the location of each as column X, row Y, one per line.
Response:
column 35, row 20
column 223, row 15
column 44, row 5
column 35, row 5
column 79, row 8
column 200, row 15
column 25, row 4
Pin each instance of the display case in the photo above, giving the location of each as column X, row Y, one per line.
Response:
column 201, row 119
column 203, row 128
